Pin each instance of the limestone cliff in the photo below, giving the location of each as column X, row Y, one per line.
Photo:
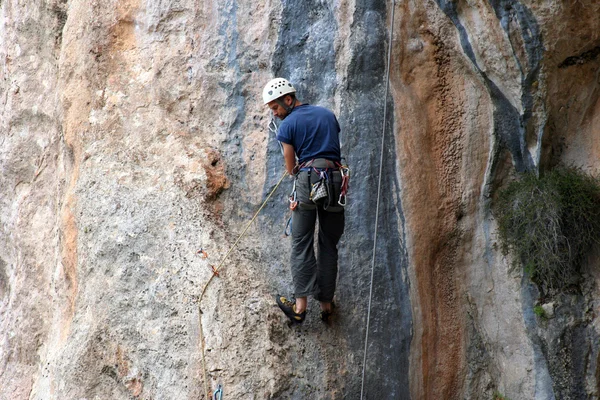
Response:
column 132, row 136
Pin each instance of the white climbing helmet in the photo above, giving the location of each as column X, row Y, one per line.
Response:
column 276, row 88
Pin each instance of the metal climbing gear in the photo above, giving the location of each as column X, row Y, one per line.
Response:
column 273, row 126
column 273, row 129
column 218, row 394
column 329, row 188
column 288, row 227
column 293, row 198
column 345, row 171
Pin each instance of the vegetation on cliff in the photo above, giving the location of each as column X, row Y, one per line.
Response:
column 550, row 223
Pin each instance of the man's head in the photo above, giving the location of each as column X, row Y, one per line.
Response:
column 280, row 96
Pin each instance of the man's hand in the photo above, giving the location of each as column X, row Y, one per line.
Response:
column 289, row 155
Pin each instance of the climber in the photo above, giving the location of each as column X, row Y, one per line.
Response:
column 311, row 149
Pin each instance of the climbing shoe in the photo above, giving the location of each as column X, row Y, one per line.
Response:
column 326, row 314
column 289, row 309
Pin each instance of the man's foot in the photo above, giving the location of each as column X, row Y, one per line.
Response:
column 327, row 311
column 289, row 309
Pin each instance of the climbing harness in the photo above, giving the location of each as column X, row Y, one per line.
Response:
column 387, row 84
column 218, row 394
column 215, row 271
column 323, row 189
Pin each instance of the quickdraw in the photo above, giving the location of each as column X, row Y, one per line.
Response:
column 345, row 171
column 215, row 270
column 273, row 129
column 218, row 394
column 288, row 227
column 203, row 252
column 292, row 199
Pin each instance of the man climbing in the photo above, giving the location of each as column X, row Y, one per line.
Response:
column 311, row 149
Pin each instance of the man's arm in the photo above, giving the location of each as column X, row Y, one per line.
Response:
column 289, row 156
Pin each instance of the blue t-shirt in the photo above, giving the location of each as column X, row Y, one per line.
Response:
column 313, row 132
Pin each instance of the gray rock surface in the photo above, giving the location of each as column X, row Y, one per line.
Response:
column 133, row 138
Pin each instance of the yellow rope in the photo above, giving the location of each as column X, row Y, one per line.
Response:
column 215, row 270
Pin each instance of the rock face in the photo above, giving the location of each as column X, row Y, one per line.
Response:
column 133, row 137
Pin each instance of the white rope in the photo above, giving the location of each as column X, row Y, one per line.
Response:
column 387, row 83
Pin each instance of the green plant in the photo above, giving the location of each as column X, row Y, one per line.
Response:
column 499, row 396
column 550, row 223
column 539, row 311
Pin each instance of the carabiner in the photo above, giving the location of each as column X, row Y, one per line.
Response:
column 293, row 204
column 273, row 129
column 292, row 199
column 218, row 394
column 345, row 172
column 273, row 126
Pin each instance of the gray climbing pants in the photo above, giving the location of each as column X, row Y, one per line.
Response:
column 315, row 276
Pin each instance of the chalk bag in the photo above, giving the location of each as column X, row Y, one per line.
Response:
column 319, row 190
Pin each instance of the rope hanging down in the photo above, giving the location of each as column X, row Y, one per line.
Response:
column 387, row 84
column 216, row 273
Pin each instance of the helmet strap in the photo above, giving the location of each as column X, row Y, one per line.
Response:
column 285, row 106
